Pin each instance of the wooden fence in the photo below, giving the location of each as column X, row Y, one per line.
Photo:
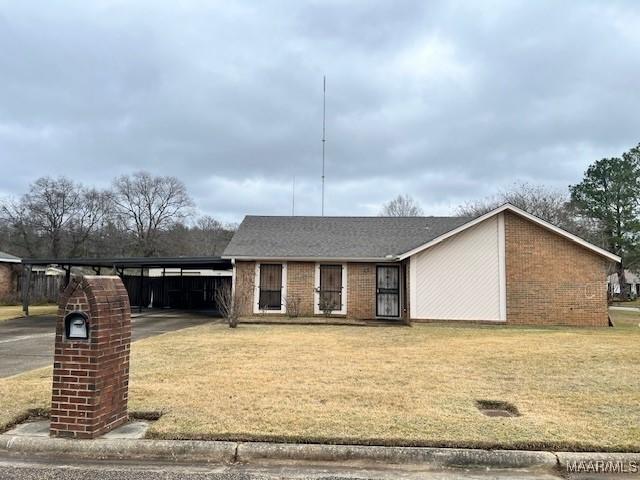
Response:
column 43, row 289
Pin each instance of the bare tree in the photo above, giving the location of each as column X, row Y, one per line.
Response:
column 56, row 216
column 210, row 236
column 233, row 304
column 401, row 206
column 292, row 305
column 552, row 205
column 326, row 306
column 228, row 306
column 147, row 205
column 94, row 209
column 539, row 200
column 21, row 234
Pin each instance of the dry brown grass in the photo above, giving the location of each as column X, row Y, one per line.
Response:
column 625, row 319
column 575, row 388
column 15, row 311
column 22, row 393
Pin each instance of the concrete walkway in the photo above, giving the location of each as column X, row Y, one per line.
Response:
column 624, row 309
column 27, row 343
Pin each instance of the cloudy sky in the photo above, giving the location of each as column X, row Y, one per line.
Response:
column 447, row 101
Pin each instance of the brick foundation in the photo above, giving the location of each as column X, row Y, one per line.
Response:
column 91, row 377
column 552, row 280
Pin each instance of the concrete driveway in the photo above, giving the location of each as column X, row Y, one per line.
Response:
column 27, row 343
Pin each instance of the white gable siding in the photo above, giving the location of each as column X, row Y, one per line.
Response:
column 461, row 278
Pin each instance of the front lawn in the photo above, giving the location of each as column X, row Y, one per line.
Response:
column 15, row 311
column 625, row 319
column 575, row 388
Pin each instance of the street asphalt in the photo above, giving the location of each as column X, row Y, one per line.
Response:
column 27, row 343
column 21, row 469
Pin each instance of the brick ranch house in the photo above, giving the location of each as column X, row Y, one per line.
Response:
column 506, row 266
column 10, row 267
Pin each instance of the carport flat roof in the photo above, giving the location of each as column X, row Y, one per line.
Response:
column 133, row 262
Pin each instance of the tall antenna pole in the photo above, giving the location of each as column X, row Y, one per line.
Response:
column 293, row 197
column 324, row 111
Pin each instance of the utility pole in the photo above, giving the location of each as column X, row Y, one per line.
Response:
column 324, row 139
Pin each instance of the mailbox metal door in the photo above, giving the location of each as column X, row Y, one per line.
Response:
column 76, row 326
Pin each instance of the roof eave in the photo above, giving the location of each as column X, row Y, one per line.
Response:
column 518, row 211
column 391, row 258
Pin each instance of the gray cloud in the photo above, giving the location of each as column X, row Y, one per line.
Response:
column 447, row 101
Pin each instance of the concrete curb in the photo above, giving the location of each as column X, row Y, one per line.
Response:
column 255, row 452
column 101, row 449
column 438, row 457
column 251, row 452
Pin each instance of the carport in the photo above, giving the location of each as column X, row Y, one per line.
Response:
column 151, row 282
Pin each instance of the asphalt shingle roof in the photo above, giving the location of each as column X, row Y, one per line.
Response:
column 4, row 257
column 335, row 237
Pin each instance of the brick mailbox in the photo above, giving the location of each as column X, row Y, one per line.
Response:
column 91, row 363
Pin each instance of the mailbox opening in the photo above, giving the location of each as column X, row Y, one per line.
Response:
column 76, row 326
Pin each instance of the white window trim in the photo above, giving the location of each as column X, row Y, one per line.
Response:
column 316, row 290
column 256, row 290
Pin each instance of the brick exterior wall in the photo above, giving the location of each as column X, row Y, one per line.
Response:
column 552, row 280
column 91, row 377
column 244, row 287
column 8, row 281
column 301, row 285
column 361, row 288
column 361, row 294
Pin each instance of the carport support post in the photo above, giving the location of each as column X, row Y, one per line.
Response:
column 67, row 275
column 164, row 292
column 26, row 288
column 141, row 301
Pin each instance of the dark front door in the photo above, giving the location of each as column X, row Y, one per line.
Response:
column 388, row 291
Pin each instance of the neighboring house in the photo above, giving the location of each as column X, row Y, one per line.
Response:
column 633, row 283
column 10, row 267
column 504, row 266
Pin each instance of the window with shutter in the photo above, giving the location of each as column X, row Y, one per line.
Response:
column 330, row 295
column 270, row 287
